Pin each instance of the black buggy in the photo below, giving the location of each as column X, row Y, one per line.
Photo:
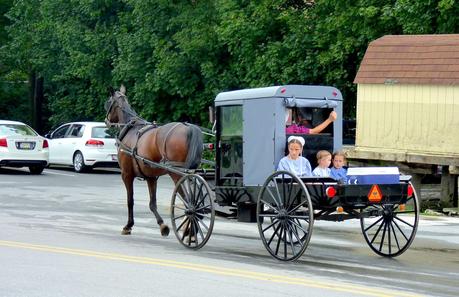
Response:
column 250, row 140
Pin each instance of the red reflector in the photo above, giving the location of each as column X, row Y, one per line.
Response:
column 330, row 192
column 283, row 90
column 3, row 142
column 94, row 142
column 210, row 146
column 375, row 194
column 45, row 143
column 410, row 191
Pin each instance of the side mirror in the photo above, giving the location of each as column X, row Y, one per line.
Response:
column 211, row 114
column 49, row 135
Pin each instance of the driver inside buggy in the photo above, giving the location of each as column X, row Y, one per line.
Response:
column 298, row 121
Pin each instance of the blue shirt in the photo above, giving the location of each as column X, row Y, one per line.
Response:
column 301, row 166
column 339, row 174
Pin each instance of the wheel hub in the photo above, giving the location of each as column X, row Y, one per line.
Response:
column 282, row 215
column 190, row 211
column 387, row 212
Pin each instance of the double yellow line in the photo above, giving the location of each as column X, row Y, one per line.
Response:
column 332, row 285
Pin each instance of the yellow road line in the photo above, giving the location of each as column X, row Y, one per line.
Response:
column 335, row 286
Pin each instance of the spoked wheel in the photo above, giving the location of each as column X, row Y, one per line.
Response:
column 392, row 227
column 192, row 211
column 285, row 216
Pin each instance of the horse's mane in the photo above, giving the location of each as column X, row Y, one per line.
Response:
column 128, row 111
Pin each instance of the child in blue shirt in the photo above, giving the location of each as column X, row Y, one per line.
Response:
column 339, row 171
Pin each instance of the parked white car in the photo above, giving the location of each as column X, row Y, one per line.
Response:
column 21, row 146
column 83, row 145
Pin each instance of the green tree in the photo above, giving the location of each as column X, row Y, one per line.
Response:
column 168, row 57
column 14, row 103
column 71, row 45
column 175, row 56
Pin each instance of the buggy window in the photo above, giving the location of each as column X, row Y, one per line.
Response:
column 229, row 156
column 231, row 120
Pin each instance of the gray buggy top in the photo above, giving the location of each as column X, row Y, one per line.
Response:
column 264, row 121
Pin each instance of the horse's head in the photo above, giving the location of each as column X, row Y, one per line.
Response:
column 118, row 109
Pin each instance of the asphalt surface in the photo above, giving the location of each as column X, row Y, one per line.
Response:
column 61, row 237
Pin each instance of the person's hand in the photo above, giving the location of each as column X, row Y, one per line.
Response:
column 333, row 116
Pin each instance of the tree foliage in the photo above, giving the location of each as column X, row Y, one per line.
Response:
column 13, row 85
column 175, row 56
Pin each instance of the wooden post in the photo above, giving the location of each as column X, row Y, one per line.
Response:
column 456, row 190
column 447, row 187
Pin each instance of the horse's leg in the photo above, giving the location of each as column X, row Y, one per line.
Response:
column 152, row 183
column 128, row 180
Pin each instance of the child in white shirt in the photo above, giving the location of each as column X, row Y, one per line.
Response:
column 324, row 161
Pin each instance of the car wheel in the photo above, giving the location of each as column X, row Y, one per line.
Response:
column 36, row 169
column 78, row 162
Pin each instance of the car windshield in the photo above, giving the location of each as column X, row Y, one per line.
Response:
column 16, row 129
column 102, row 132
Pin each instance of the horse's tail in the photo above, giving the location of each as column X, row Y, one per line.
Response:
column 195, row 142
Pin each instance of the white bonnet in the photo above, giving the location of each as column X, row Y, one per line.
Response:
column 299, row 138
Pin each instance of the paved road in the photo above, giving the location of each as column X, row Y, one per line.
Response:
column 61, row 237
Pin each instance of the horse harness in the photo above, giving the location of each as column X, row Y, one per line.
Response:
column 146, row 126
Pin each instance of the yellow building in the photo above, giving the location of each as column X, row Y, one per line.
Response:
column 408, row 102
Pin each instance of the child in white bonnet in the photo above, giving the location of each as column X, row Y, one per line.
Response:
column 294, row 162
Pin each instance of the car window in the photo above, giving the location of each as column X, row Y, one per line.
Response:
column 60, row 132
column 76, row 131
column 15, row 129
column 102, row 132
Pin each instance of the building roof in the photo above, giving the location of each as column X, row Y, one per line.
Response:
column 411, row 59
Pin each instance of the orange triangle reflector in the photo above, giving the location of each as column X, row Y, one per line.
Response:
column 375, row 194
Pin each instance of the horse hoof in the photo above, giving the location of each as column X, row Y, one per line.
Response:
column 164, row 230
column 189, row 240
column 126, row 231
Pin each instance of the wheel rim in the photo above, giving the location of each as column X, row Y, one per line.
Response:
column 78, row 162
column 192, row 211
column 392, row 227
column 285, row 216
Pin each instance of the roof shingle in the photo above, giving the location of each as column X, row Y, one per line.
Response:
column 411, row 59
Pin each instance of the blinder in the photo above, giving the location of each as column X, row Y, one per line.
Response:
column 108, row 104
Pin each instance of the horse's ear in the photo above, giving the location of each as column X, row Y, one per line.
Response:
column 123, row 89
column 111, row 91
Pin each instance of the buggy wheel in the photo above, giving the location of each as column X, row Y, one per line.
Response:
column 285, row 216
column 192, row 211
column 390, row 229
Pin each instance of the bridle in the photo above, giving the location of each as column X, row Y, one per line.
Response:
column 125, row 110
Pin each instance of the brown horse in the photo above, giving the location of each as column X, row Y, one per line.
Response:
column 173, row 144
